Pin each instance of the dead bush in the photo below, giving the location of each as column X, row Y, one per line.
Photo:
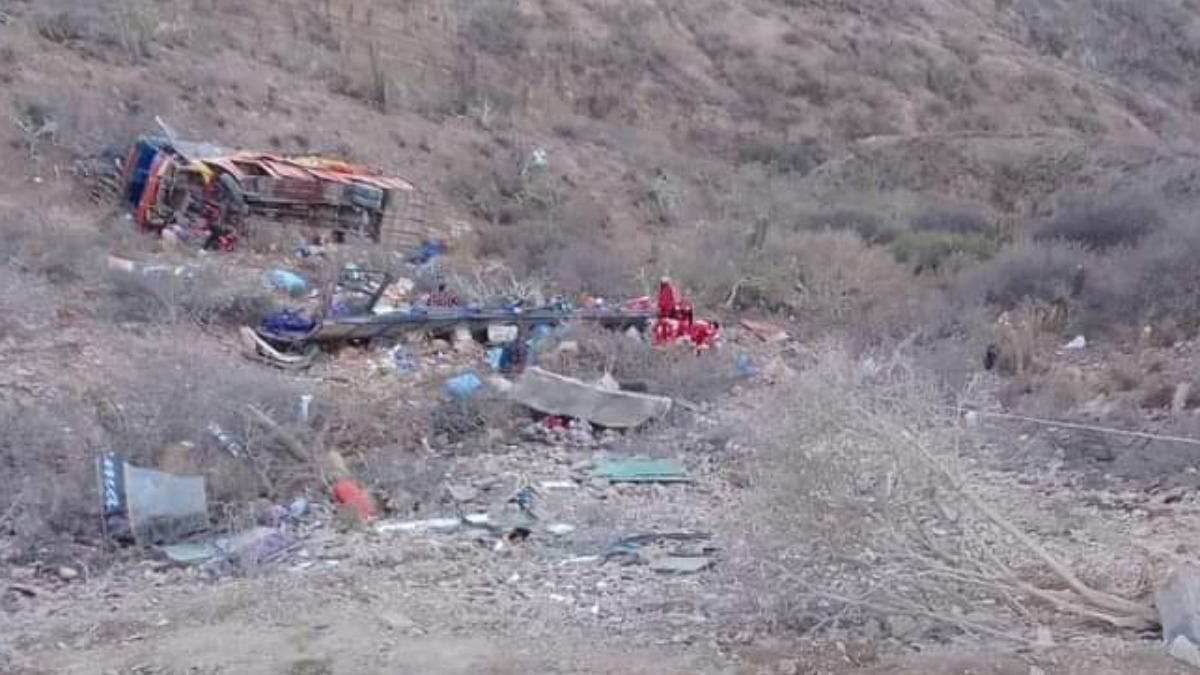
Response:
column 564, row 241
column 163, row 392
column 53, row 249
column 781, row 156
column 454, row 421
column 961, row 222
column 872, row 227
column 1048, row 273
column 1099, row 227
column 678, row 373
column 197, row 296
column 931, row 252
column 1146, row 285
column 861, row 516
column 27, row 304
column 62, row 26
column 44, row 478
column 827, row 281
column 498, row 28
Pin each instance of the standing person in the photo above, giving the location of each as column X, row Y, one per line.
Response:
column 666, row 298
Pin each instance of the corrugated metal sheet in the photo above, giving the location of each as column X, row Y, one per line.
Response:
column 286, row 170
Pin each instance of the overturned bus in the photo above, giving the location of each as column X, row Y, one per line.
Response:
column 204, row 193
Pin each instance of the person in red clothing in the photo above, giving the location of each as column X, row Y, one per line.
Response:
column 703, row 334
column 664, row 331
column 666, row 298
column 442, row 297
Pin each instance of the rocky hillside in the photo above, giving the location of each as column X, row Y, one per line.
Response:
column 640, row 103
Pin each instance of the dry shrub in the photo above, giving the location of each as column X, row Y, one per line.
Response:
column 26, row 305
column 953, row 221
column 58, row 251
column 45, row 482
column 1027, row 271
column 872, row 227
column 454, row 421
column 498, row 28
column 1153, row 284
column 675, row 372
column 1121, row 221
column 164, row 393
column 539, row 233
column 94, row 30
column 825, row 280
column 933, row 251
column 782, row 156
column 854, row 520
column 1124, row 372
column 200, row 296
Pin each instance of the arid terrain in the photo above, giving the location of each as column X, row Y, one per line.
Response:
column 976, row 451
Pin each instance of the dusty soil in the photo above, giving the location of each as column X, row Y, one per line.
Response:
column 364, row 602
column 663, row 120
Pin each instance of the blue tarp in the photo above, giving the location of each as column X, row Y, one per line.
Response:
column 462, row 386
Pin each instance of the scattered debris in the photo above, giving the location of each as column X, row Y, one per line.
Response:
column 525, row 498
column 149, row 270
column 463, row 386
column 293, row 446
column 434, row 524
column 644, row 471
column 397, row 359
column 147, row 506
column 462, row 493
column 230, row 554
column 286, row 281
column 580, row 560
column 427, row 251
column 668, row 552
column 1178, row 601
column 346, row 491
column 1080, row 342
column 304, row 409
column 680, row 564
column 226, row 441
column 608, row 383
column 554, row 394
column 502, row 334
column 766, row 332
column 298, row 509
column 256, row 348
column 744, row 367
column 1180, row 398
column 560, row 529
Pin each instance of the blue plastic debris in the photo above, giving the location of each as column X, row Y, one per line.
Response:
column 462, row 386
column 537, row 335
column 428, row 251
column 298, row 508
column 494, row 356
column 286, row 322
column 284, row 280
column 744, row 366
column 401, row 360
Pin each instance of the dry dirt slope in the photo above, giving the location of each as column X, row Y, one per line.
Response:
column 654, row 113
column 617, row 91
